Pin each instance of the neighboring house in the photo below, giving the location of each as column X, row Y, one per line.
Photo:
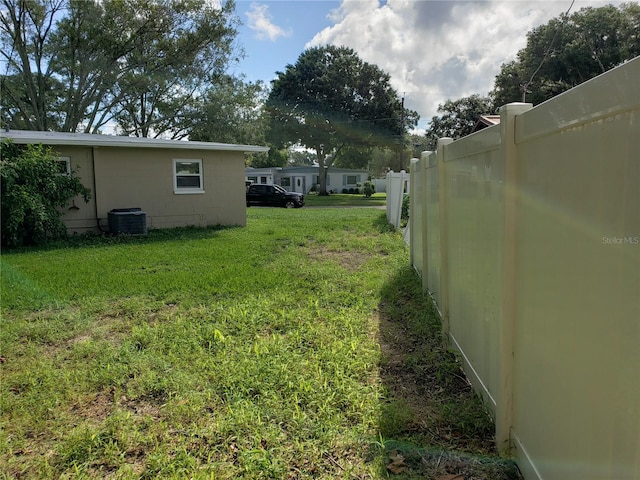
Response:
column 304, row 179
column 486, row 121
column 175, row 183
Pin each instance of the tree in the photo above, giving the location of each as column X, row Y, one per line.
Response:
column 569, row 50
column 33, row 193
column 28, row 90
column 457, row 118
column 356, row 157
column 172, row 73
column 230, row 112
column 331, row 100
column 275, row 157
column 78, row 64
column 418, row 144
column 383, row 160
column 302, row 157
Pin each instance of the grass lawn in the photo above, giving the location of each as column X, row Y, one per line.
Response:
column 298, row 347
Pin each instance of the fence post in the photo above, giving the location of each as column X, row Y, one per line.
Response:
column 390, row 204
column 506, row 354
column 444, row 247
column 400, row 198
column 424, row 161
column 414, row 173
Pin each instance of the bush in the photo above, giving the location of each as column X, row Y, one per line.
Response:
column 369, row 189
column 33, row 194
column 344, row 190
column 404, row 214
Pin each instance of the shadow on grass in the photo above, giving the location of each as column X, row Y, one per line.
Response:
column 432, row 424
column 107, row 239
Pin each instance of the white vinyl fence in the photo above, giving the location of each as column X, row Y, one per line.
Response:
column 527, row 234
column 397, row 187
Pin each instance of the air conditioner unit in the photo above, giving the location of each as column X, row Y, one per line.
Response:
column 132, row 221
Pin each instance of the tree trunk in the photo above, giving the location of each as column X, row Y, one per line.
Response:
column 323, row 167
column 322, row 178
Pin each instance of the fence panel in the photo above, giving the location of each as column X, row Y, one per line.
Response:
column 417, row 205
column 431, row 214
column 474, row 204
column 577, row 362
column 397, row 186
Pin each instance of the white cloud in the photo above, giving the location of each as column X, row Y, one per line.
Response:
column 260, row 21
column 439, row 50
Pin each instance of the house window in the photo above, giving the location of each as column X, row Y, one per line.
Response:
column 351, row 179
column 253, row 179
column 285, row 181
column 316, row 179
column 64, row 165
column 187, row 176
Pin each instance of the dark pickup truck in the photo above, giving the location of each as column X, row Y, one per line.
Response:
column 273, row 196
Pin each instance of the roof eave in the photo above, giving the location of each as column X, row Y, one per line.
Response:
column 89, row 140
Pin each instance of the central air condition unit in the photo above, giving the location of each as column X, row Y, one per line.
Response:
column 132, row 221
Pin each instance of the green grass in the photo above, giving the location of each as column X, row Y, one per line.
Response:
column 341, row 200
column 271, row 351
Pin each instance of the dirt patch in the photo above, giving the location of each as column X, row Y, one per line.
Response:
column 93, row 408
column 349, row 260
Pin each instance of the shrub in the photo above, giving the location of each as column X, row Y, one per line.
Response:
column 369, row 189
column 404, row 214
column 33, row 194
column 344, row 190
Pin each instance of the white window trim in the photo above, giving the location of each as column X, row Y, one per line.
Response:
column 67, row 162
column 183, row 190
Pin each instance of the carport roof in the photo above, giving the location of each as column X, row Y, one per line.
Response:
column 93, row 140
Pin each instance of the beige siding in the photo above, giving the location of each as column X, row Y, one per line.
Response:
column 78, row 215
column 121, row 177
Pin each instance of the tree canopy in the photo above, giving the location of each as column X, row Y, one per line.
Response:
column 569, row 50
column 559, row 55
column 75, row 65
column 457, row 118
column 331, row 100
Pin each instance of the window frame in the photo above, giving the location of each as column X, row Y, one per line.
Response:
column 349, row 176
column 67, row 164
column 188, row 190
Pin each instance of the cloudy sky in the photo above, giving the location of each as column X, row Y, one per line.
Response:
column 433, row 50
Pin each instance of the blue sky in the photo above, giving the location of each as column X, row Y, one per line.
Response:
column 274, row 33
column 433, row 50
